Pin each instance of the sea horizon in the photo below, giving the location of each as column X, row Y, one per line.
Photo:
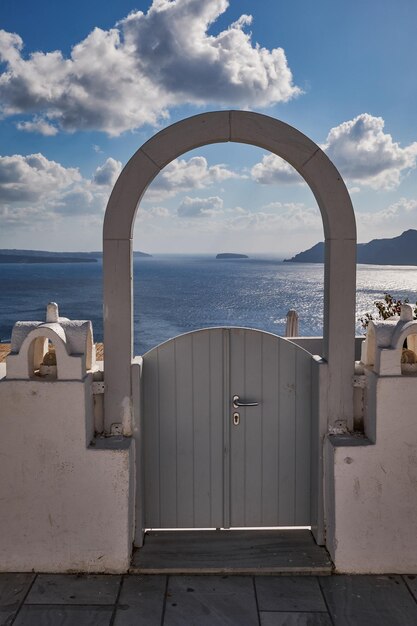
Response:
column 177, row 293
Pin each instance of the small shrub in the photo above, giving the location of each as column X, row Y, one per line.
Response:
column 388, row 307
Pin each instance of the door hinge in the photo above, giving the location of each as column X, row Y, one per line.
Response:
column 98, row 387
column 359, row 381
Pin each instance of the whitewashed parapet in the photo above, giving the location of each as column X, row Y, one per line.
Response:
column 74, row 348
column 383, row 349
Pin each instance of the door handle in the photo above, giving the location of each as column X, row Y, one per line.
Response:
column 237, row 403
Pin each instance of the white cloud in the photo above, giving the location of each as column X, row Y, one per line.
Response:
column 274, row 170
column 38, row 125
column 275, row 217
column 200, row 207
column 108, row 173
column 184, row 175
column 398, row 215
column 78, row 201
column 33, row 188
column 365, row 154
column 279, row 217
column 132, row 74
column 150, row 213
column 22, row 217
column 359, row 148
column 32, row 178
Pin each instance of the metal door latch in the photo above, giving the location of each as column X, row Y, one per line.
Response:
column 237, row 402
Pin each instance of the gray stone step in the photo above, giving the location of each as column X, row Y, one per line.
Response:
column 231, row 552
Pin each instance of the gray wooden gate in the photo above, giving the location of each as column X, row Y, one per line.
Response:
column 200, row 468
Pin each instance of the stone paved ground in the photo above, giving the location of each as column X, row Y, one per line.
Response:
column 96, row 600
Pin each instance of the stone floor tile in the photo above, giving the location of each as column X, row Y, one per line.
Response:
column 6, row 616
column 211, row 601
column 13, row 588
column 74, row 589
column 135, row 587
column 211, row 584
column 210, row 609
column 34, row 615
column 411, row 582
column 295, row 619
column 289, row 593
column 141, row 601
column 369, row 601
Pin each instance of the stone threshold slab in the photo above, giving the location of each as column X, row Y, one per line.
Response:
column 274, row 552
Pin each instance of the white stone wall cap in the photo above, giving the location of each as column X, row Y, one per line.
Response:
column 384, row 330
column 52, row 312
column 79, row 334
column 407, row 313
column 20, row 332
column 52, row 331
column 401, row 332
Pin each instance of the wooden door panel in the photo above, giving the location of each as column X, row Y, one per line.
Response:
column 202, row 471
column 183, row 432
column 270, row 448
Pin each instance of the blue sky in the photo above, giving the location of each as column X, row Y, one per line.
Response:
column 84, row 84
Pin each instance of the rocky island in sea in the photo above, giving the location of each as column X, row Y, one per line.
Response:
column 401, row 250
column 231, row 255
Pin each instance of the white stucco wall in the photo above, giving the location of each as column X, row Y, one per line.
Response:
column 67, row 505
column 371, row 490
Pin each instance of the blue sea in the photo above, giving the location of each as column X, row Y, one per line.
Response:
column 174, row 294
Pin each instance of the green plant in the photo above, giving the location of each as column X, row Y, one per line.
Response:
column 388, row 307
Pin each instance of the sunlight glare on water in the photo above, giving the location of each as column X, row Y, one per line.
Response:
column 178, row 294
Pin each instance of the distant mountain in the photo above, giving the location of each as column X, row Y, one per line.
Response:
column 401, row 250
column 139, row 253
column 37, row 258
column 44, row 256
column 231, row 255
column 312, row 255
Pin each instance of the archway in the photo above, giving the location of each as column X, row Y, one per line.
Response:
column 340, row 247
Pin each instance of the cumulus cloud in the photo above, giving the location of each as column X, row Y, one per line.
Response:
column 275, row 217
column 107, row 173
column 33, row 188
column 389, row 221
column 365, row 154
column 150, row 213
column 32, row 177
column 132, row 74
column 200, row 207
column 359, row 148
column 183, row 175
column 19, row 217
column 274, row 170
column 78, row 201
column 279, row 216
column 402, row 214
column 38, row 125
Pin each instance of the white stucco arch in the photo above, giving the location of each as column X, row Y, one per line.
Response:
column 340, row 245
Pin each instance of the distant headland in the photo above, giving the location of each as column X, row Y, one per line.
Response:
column 43, row 256
column 401, row 250
column 231, row 255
